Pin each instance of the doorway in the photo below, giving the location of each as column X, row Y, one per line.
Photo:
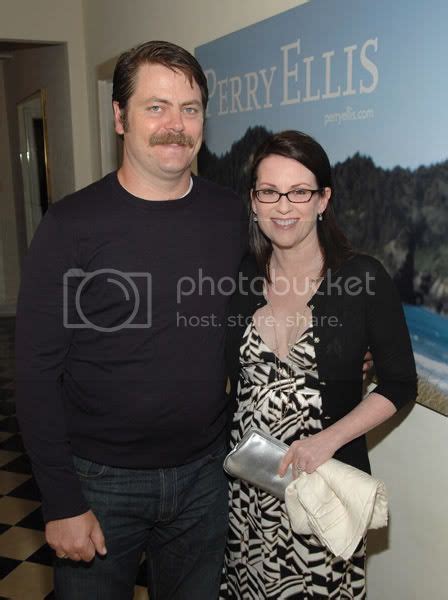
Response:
column 33, row 152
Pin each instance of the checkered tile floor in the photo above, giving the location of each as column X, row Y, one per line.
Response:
column 25, row 558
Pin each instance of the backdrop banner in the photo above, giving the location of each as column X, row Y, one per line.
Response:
column 368, row 81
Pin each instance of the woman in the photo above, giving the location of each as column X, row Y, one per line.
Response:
column 310, row 309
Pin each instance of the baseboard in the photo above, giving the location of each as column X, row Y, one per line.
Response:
column 8, row 310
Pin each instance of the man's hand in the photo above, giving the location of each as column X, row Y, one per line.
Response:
column 77, row 538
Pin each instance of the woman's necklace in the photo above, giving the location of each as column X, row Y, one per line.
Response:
column 288, row 370
column 292, row 338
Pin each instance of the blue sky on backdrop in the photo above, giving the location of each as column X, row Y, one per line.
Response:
column 365, row 76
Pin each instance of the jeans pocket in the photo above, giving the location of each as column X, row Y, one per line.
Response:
column 88, row 469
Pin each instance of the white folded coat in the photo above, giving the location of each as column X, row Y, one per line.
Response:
column 337, row 503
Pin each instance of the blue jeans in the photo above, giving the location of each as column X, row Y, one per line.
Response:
column 177, row 516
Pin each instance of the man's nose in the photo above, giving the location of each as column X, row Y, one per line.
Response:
column 175, row 120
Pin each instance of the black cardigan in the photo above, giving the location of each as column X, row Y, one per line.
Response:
column 355, row 308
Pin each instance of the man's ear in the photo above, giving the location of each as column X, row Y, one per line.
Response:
column 118, row 118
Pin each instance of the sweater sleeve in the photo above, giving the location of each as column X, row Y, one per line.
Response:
column 42, row 342
column 389, row 340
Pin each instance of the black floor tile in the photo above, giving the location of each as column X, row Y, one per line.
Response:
column 5, row 394
column 4, row 528
column 13, row 443
column 43, row 556
column 21, row 464
column 33, row 521
column 7, row 565
column 9, row 424
column 7, row 407
column 27, row 490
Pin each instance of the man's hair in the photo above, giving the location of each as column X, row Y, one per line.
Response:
column 155, row 52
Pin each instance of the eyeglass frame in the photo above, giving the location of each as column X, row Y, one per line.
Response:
column 280, row 194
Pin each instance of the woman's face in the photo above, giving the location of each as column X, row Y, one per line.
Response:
column 287, row 224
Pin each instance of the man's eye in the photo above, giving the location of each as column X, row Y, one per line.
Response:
column 191, row 110
column 154, row 108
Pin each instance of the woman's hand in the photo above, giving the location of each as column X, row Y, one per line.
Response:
column 308, row 454
column 311, row 452
column 367, row 365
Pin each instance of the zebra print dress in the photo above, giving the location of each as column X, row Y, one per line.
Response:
column 264, row 557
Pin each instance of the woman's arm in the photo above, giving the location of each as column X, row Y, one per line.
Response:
column 389, row 340
column 311, row 452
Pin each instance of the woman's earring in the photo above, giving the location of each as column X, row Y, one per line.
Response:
column 320, row 217
column 255, row 217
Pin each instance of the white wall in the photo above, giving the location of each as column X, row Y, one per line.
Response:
column 58, row 21
column 413, row 461
column 9, row 257
column 24, row 73
column 49, row 21
column 44, row 68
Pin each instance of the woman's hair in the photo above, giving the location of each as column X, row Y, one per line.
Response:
column 304, row 149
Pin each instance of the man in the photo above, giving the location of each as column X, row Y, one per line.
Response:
column 120, row 370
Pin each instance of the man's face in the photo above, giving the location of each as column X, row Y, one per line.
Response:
column 164, row 124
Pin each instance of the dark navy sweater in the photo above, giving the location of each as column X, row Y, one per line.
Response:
column 120, row 332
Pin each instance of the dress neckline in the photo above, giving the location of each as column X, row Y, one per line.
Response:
column 305, row 332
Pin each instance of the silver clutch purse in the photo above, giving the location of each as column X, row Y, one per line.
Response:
column 256, row 459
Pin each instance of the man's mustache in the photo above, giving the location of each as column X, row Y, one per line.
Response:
column 171, row 138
